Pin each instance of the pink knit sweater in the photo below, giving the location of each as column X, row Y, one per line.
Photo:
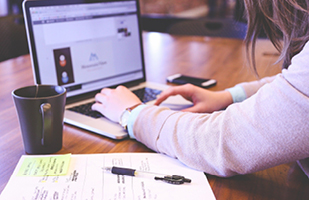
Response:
column 269, row 128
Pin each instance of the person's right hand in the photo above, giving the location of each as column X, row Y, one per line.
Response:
column 204, row 101
column 112, row 102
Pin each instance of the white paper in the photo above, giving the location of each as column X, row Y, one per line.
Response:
column 86, row 180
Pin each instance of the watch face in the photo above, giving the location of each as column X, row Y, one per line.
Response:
column 124, row 118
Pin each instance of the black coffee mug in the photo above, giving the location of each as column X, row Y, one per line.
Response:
column 40, row 110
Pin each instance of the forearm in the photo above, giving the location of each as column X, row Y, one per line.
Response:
column 250, row 88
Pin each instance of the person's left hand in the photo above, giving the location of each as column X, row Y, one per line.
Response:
column 112, row 102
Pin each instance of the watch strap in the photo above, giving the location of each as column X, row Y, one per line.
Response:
column 129, row 109
column 132, row 107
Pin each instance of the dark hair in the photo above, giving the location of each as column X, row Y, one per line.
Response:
column 285, row 22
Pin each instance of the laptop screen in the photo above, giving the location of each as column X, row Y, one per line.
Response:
column 84, row 46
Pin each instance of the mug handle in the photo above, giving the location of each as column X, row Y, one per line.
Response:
column 46, row 119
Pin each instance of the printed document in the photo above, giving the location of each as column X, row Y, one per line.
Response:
column 82, row 177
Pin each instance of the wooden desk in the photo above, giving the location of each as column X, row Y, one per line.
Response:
column 221, row 59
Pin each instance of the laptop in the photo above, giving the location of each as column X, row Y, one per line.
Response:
column 84, row 46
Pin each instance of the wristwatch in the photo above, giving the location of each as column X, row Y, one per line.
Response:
column 124, row 118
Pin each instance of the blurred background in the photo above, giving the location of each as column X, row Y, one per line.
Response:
column 181, row 8
column 213, row 18
column 189, row 8
column 10, row 7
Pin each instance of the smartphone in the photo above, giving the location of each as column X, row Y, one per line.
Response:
column 183, row 79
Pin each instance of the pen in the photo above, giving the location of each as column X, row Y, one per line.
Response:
column 128, row 171
column 172, row 179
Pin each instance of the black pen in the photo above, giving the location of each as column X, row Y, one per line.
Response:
column 172, row 179
column 128, row 171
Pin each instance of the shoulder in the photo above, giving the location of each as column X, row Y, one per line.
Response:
column 302, row 55
column 298, row 72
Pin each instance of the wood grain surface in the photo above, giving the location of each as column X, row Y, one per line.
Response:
column 218, row 58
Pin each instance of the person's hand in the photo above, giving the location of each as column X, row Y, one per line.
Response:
column 112, row 102
column 204, row 101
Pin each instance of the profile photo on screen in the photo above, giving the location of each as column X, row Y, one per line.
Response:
column 63, row 62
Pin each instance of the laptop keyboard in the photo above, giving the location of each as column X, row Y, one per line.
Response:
column 144, row 94
column 86, row 110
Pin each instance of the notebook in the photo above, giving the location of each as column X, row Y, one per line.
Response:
column 86, row 45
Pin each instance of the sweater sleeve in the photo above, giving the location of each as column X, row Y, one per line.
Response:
column 252, row 87
column 268, row 129
column 245, row 90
